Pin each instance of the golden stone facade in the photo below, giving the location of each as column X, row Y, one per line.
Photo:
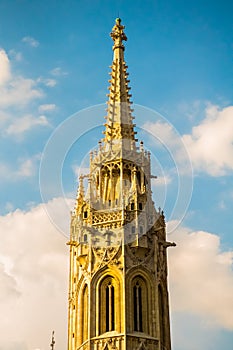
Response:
column 118, row 297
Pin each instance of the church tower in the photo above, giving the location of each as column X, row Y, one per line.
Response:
column 118, row 297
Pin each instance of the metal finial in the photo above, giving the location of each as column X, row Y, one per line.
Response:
column 53, row 341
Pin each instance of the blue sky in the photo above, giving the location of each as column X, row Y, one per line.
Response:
column 54, row 62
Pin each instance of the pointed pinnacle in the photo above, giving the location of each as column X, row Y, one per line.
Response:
column 118, row 34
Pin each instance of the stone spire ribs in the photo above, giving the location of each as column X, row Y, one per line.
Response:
column 119, row 121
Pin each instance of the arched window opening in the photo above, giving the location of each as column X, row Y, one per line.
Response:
column 161, row 316
column 137, row 299
column 107, row 306
column 139, row 178
column 85, row 314
column 110, row 322
column 140, row 308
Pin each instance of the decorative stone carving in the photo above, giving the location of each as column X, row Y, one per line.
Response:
column 107, row 256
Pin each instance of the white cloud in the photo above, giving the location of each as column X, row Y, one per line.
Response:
column 34, row 280
column 16, row 95
column 19, row 92
column 173, row 161
column 161, row 181
column 201, row 277
column 47, row 81
column 5, row 72
column 211, row 142
column 9, row 206
column 47, row 107
column 17, row 56
column 165, row 136
column 25, row 168
column 4, row 117
column 58, row 72
column 222, row 205
column 209, row 145
column 224, row 202
column 163, row 132
column 9, row 285
column 15, row 91
column 50, row 82
column 33, row 253
column 5, row 171
column 30, row 41
column 23, row 124
column 191, row 110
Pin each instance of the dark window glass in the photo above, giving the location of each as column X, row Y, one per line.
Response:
column 137, row 298
column 110, row 308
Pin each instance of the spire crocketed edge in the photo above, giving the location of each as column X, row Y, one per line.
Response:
column 119, row 121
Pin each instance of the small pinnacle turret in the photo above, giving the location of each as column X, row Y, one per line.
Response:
column 119, row 121
column 80, row 192
column 118, row 35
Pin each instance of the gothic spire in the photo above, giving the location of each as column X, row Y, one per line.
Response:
column 119, row 121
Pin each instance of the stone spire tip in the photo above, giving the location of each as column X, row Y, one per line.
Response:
column 117, row 34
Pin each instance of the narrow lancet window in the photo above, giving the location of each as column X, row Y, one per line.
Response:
column 85, row 314
column 110, row 312
column 107, row 306
column 161, row 315
column 137, row 298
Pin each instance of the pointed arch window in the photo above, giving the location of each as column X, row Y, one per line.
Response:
column 140, row 305
column 110, row 306
column 85, row 313
column 137, row 300
column 107, row 305
column 161, row 315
